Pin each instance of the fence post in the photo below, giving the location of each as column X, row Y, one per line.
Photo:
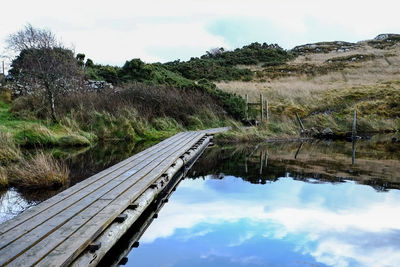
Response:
column 354, row 129
column 261, row 108
column 266, row 109
column 247, row 107
column 300, row 122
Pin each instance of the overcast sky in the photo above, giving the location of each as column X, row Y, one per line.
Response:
column 111, row 32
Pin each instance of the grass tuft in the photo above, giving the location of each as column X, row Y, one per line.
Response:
column 3, row 177
column 35, row 134
column 8, row 150
column 41, row 171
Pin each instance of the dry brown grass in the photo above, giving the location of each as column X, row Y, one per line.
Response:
column 41, row 171
column 8, row 150
column 305, row 89
column 371, row 86
column 320, row 58
column 3, row 177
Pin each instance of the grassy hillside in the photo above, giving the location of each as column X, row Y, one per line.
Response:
column 325, row 82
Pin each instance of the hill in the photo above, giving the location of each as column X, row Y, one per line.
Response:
column 324, row 82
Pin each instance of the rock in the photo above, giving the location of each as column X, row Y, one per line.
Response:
column 327, row 131
column 381, row 37
column 97, row 85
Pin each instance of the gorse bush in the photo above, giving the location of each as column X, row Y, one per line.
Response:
column 252, row 54
column 215, row 66
column 221, row 65
column 208, row 68
column 232, row 103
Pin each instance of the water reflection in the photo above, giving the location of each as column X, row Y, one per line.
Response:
column 82, row 163
column 12, row 203
column 231, row 222
column 376, row 163
column 281, row 205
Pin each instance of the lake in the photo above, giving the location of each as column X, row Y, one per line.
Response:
column 320, row 203
column 310, row 204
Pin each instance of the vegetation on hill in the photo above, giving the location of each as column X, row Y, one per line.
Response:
column 219, row 65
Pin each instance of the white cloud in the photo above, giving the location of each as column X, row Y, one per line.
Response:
column 111, row 32
column 343, row 236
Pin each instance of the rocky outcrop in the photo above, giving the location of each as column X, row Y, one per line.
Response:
column 325, row 47
column 381, row 41
column 387, row 36
column 97, row 85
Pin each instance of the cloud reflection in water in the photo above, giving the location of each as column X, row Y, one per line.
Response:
column 231, row 222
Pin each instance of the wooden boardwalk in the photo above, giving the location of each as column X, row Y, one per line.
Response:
column 57, row 230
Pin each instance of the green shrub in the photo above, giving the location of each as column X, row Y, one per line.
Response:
column 222, row 64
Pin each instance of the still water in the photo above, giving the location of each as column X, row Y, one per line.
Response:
column 278, row 205
column 82, row 163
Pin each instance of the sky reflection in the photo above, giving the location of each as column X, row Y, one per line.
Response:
column 231, row 222
column 12, row 203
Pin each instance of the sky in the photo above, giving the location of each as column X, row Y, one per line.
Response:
column 111, row 32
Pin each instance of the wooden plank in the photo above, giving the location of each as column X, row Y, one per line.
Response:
column 215, row 130
column 56, row 209
column 66, row 252
column 34, row 211
column 116, row 169
column 74, row 218
column 28, row 260
column 67, row 225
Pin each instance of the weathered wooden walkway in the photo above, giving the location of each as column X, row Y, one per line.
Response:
column 57, row 230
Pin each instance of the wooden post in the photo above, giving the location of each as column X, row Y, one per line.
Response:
column 298, row 150
column 245, row 164
column 3, row 67
column 354, row 129
column 300, row 122
column 261, row 161
column 353, row 152
column 261, row 108
column 266, row 109
column 247, row 107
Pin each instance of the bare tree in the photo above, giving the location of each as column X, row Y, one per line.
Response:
column 31, row 37
column 43, row 65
